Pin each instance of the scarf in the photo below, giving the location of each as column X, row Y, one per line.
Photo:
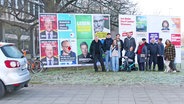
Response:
column 139, row 51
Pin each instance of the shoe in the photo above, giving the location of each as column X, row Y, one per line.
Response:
column 128, row 70
column 174, row 71
column 177, row 71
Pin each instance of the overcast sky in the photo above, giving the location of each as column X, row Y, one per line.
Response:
column 161, row 7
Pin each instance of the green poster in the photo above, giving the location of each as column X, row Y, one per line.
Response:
column 84, row 26
column 83, row 46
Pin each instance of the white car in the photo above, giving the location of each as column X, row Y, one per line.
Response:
column 13, row 69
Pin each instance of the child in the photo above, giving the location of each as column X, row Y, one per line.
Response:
column 115, row 55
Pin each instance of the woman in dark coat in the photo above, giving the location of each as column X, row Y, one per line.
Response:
column 141, row 55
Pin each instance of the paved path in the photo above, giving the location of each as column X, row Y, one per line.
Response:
column 78, row 94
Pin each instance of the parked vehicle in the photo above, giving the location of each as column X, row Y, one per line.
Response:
column 13, row 69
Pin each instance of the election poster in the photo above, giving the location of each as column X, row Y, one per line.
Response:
column 84, row 26
column 101, row 25
column 84, row 56
column 165, row 27
column 49, row 52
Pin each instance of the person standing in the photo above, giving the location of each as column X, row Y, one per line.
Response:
column 141, row 55
column 121, row 46
column 153, row 54
column 96, row 50
column 106, row 46
column 148, row 53
column 129, row 41
column 170, row 54
column 160, row 61
column 115, row 54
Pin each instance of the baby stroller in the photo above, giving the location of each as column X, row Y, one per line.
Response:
column 128, row 64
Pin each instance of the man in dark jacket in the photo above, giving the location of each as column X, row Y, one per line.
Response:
column 153, row 54
column 129, row 41
column 96, row 50
column 106, row 45
column 147, row 57
column 160, row 56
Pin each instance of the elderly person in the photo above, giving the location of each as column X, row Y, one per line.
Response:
column 141, row 55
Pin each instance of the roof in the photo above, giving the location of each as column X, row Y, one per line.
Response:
column 3, row 44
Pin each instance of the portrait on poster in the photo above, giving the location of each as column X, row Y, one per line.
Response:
column 48, row 26
column 84, row 56
column 101, row 24
column 67, row 54
column 49, row 52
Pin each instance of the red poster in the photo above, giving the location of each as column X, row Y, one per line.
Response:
column 47, row 43
column 48, row 17
column 176, row 40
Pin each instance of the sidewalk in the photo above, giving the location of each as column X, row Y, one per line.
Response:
column 77, row 94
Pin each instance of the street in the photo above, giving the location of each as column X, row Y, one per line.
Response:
column 78, row 94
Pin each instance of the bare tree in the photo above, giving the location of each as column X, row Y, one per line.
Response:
column 112, row 7
column 25, row 12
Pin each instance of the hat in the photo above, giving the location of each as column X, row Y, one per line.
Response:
column 143, row 39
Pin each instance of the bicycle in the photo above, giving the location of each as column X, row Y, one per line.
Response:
column 35, row 65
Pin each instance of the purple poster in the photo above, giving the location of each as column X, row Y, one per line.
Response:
column 153, row 35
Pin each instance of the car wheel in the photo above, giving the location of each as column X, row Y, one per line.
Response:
column 2, row 89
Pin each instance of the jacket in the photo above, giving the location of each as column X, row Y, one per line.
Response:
column 93, row 49
column 107, row 44
column 160, row 49
column 128, row 42
column 130, row 55
column 142, row 57
column 115, row 51
column 153, row 48
column 169, row 52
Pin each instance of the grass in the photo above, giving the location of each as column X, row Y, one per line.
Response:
column 87, row 76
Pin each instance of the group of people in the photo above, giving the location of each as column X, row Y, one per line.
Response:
column 148, row 54
column 112, row 48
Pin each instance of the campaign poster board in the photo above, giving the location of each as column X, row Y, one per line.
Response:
column 65, row 38
column 165, row 27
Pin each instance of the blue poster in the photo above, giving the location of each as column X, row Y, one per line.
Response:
column 141, row 24
column 66, row 26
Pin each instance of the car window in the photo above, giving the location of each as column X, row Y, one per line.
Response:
column 11, row 51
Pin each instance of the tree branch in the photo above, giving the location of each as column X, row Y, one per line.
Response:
column 68, row 3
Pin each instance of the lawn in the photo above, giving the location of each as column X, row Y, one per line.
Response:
column 87, row 76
